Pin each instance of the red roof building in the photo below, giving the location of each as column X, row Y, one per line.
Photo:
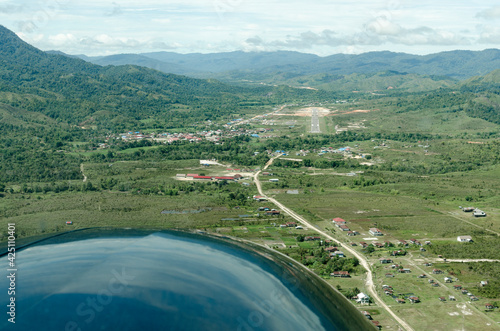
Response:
column 202, row 177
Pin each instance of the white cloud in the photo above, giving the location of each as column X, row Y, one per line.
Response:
column 490, row 35
column 490, row 13
column 62, row 39
column 379, row 31
column 102, row 27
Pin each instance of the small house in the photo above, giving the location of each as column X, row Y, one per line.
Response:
column 338, row 221
column 384, row 260
column 366, row 314
column 362, row 298
column 341, row 274
column 338, row 254
column 375, row 232
column 464, row 239
column 448, row 280
column 344, row 228
column 479, row 213
column 231, row 178
column 413, row 299
column 451, row 298
column 259, row 198
column 203, row 177
column 398, row 300
column 377, row 325
column 442, row 299
column 488, row 306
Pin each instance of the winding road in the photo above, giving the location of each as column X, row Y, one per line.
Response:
column 362, row 260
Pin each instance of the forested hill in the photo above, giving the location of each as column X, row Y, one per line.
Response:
column 486, row 101
column 229, row 66
column 115, row 97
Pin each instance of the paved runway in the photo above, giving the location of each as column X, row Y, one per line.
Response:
column 315, row 121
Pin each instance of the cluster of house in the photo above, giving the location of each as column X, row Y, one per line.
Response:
column 476, row 212
column 334, row 251
column 341, row 224
column 405, row 243
column 464, row 291
column 369, row 317
column 273, row 212
column 213, row 135
column 311, row 238
column 209, row 135
column 388, row 290
column 298, row 227
column 202, row 177
column 450, row 298
column 343, row 150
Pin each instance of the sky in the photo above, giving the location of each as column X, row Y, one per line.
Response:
column 323, row 27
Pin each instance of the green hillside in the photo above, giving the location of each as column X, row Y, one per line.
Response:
column 117, row 97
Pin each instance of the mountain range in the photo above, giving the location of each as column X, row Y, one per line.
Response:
column 457, row 64
column 75, row 91
column 48, row 88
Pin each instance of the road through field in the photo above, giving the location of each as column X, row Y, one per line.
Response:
column 362, row 260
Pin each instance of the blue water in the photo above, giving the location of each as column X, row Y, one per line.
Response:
column 128, row 280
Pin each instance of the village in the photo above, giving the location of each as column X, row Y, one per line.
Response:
column 425, row 283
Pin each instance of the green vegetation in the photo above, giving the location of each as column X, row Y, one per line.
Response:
column 111, row 147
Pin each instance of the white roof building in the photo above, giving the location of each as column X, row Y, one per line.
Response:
column 464, row 238
column 362, row 298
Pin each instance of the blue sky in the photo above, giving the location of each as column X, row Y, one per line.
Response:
column 322, row 27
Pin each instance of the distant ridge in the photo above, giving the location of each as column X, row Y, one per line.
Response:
column 457, row 64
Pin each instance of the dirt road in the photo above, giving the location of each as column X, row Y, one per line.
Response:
column 362, row 260
column 84, row 177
